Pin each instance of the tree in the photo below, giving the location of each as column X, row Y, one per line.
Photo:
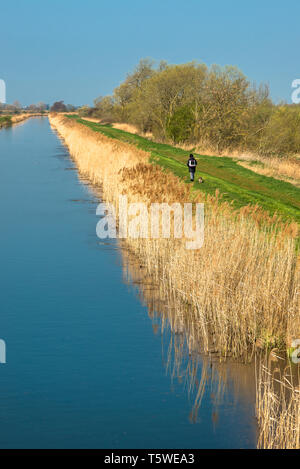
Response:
column 281, row 135
column 180, row 127
column 104, row 108
column 58, row 106
column 85, row 111
column 41, row 107
column 124, row 94
column 159, row 97
column 70, row 108
column 224, row 107
column 17, row 105
column 214, row 107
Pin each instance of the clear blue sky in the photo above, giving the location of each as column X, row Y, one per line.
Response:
column 77, row 50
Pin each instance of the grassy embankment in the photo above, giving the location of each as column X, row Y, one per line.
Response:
column 236, row 184
column 251, row 263
column 7, row 121
column 240, row 290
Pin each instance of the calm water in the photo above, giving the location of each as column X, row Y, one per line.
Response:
column 84, row 367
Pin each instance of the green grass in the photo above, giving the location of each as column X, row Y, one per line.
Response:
column 237, row 184
column 5, row 120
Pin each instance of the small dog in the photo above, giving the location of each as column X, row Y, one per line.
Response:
column 200, row 180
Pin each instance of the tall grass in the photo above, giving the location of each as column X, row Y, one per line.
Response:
column 15, row 119
column 287, row 169
column 240, row 291
column 278, row 405
column 180, row 347
column 235, row 184
column 20, row 117
column 241, row 285
column 5, row 121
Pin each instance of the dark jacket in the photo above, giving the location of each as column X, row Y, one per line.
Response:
column 191, row 164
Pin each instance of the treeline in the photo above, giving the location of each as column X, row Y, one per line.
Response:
column 60, row 106
column 17, row 108
column 215, row 108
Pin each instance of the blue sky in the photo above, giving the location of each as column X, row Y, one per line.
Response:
column 78, row 50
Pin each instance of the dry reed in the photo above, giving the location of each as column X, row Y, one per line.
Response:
column 171, row 319
column 287, row 169
column 16, row 119
column 240, row 291
column 241, row 286
column 278, row 405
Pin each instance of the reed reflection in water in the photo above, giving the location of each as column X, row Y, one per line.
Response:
column 182, row 349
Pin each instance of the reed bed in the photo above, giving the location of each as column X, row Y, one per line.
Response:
column 233, row 284
column 287, row 169
column 278, row 405
column 19, row 118
column 180, row 348
column 132, row 129
column 16, row 119
column 240, row 291
column 121, row 126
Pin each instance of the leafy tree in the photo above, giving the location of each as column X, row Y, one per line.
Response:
column 104, row 108
column 70, row 108
column 215, row 107
column 85, row 111
column 58, row 106
column 180, row 127
column 125, row 93
column 159, row 97
column 281, row 136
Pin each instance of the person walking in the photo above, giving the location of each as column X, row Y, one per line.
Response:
column 191, row 164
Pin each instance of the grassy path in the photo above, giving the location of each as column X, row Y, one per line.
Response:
column 236, row 183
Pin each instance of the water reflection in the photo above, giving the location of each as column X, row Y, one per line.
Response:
column 180, row 341
column 204, row 378
column 84, row 368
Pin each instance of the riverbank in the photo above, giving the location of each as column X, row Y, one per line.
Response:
column 229, row 293
column 267, row 255
column 6, row 121
column 286, row 169
column 235, row 184
column 78, row 324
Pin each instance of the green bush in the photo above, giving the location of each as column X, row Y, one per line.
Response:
column 180, row 126
column 5, row 121
column 281, row 137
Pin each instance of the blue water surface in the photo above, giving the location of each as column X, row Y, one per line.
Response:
column 84, row 368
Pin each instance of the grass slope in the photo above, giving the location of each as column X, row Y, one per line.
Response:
column 237, row 184
column 5, row 121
